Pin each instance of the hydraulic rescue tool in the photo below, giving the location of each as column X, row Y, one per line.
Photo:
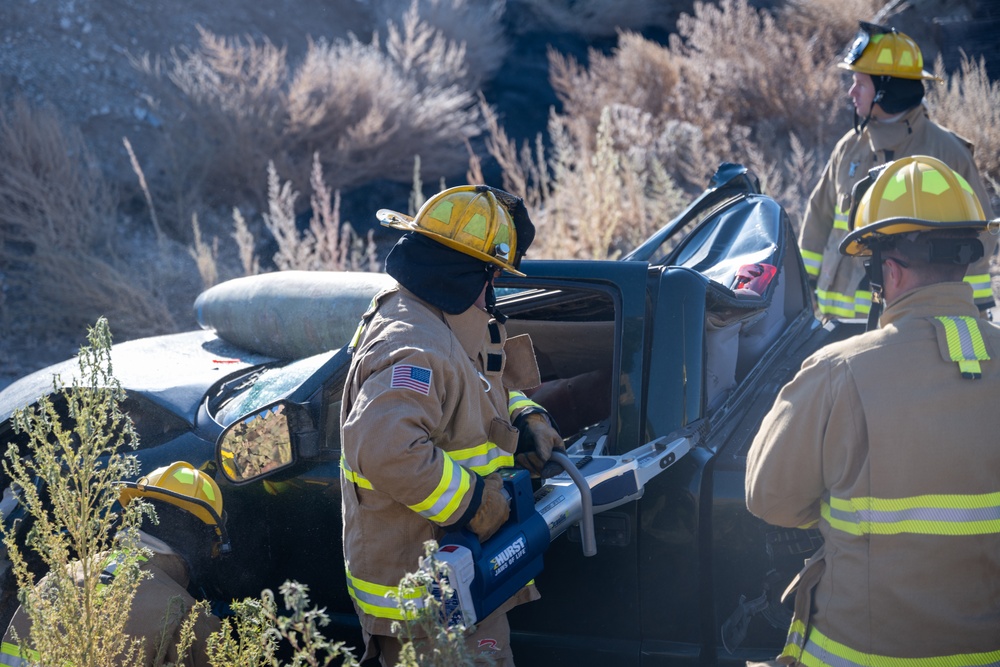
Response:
column 484, row 576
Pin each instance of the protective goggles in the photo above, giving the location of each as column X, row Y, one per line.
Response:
column 862, row 39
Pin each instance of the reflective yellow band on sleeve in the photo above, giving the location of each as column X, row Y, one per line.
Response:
column 812, row 261
column 982, row 288
column 840, row 219
column 445, row 500
column 844, row 305
column 796, row 640
column 939, row 514
column 518, row 401
column 354, row 477
column 484, row 459
column 821, row 651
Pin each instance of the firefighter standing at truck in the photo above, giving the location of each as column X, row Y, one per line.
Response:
column 433, row 406
column 888, row 441
column 190, row 532
column 890, row 122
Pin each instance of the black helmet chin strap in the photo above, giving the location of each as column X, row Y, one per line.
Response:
column 875, row 279
column 879, row 94
column 491, row 297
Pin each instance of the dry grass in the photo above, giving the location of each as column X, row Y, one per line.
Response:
column 589, row 203
column 234, row 105
column 733, row 84
column 969, row 104
column 57, row 228
column 641, row 128
column 476, row 25
column 326, row 245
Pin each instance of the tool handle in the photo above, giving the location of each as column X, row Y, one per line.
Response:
column 586, row 502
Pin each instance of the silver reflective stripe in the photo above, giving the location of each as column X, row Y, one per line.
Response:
column 970, row 344
column 821, row 651
column 918, row 514
column 445, row 500
column 484, row 459
column 10, row 654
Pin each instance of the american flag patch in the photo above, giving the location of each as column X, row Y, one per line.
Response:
column 416, row 378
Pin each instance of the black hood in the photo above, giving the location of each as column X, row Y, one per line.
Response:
column 445, row 278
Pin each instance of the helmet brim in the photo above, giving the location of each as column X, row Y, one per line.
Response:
column 924, row 74
column 856, row 243
column 406, row 223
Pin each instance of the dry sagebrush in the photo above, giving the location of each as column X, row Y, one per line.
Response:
column 232, row 106
column 57, row 218
column 969, row 104
column 734, row 84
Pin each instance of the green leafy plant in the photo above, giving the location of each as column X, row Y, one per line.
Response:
column 66, row 483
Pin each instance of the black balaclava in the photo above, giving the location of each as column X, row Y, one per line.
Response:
column 899, row 95
column 441, row 276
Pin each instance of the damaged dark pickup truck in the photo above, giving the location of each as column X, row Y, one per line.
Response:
column 694, row 332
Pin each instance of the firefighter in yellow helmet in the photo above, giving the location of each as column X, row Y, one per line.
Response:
column 887, row 443
column 433, row 406
column 190, row 532
column 890, row 122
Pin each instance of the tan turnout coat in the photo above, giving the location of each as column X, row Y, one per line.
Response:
column 825, row 224
column 883, row 442
column 426, row 411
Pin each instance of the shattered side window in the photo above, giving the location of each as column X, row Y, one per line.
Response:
column 264, row 386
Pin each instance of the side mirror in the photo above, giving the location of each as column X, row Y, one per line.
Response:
column 257, row 444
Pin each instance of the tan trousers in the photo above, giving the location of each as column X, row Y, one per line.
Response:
column 489, row 644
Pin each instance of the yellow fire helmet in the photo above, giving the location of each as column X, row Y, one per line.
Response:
column 911, row 194
column 465, row 218
column 183, row 486
column 881, row 51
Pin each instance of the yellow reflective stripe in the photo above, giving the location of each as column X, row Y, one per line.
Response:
column 844, row 305
column 517, row 401
column 445, row 500
column 354, row 477
column 795, row 641
column 484, row 459
column 812, row 261
column 982, row 288
column 385, row 601
column 821, row 651
column 965, row 343
column 10, row 655
column 937, row 514
column 840, row 218
column 353, row 345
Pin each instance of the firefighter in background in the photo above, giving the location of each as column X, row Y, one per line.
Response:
column 890, row 122
column 887, row 441
column 189, row 534
column 433, row 405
